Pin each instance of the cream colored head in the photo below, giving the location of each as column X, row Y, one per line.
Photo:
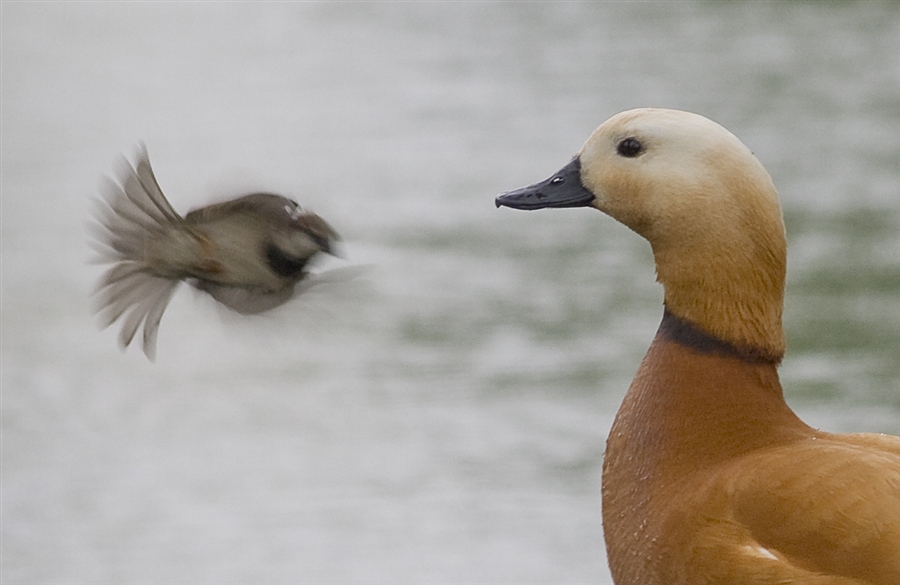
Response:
column 705, row 204
column 710, row 212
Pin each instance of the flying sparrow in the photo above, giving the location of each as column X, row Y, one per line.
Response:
column 248, row 253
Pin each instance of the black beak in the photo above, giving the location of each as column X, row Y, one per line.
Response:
column 564, row 189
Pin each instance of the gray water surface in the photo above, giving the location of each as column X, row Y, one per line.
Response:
column 440, row 417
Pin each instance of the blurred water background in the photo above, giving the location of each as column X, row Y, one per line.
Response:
column 441, row 417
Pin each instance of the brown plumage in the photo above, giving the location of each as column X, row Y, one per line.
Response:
column 709, row 477
column 247, row 253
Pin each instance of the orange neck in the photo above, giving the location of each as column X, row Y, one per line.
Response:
column 695, row 402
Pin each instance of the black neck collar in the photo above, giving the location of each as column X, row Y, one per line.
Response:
column 685, row 333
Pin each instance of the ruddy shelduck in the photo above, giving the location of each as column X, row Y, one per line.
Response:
column 709, row 477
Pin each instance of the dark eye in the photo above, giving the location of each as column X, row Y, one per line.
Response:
column 630, row 147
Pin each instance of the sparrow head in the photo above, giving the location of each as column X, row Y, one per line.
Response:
column 296, row 237
column 312, row 227
column 290, row 236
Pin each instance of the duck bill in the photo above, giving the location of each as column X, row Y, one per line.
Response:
column 564, row 189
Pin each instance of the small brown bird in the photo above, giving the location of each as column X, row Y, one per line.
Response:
column 247, row 253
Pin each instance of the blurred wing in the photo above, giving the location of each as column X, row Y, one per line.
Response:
column 147, row 188
column 127, row 289
column 132, row 210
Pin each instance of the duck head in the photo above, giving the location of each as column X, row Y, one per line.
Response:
column 706, row 205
